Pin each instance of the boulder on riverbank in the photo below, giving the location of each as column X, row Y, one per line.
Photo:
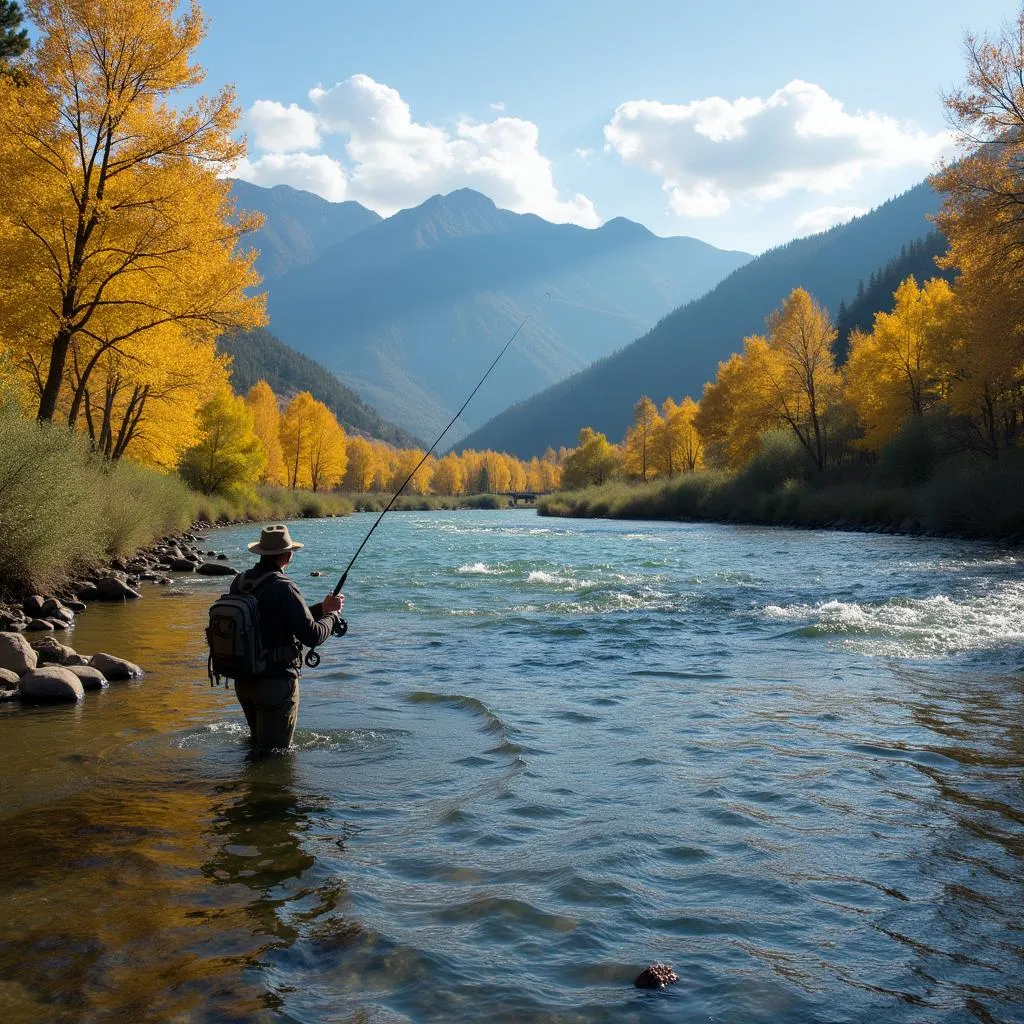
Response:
column 16, row 654
column 51, row 685
column 182, row 565
column 39, row 626
column 115, row 669
column 8, row 679
column 110, row 588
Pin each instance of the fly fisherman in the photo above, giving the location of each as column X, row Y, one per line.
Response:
column 270, row 700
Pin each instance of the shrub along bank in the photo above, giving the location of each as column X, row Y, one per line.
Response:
column 64, row 510
column 963, row 495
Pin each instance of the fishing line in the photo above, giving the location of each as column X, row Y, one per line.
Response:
column 429, row 451
column 312, row 658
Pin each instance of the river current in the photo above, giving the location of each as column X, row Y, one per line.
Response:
column 548, row 753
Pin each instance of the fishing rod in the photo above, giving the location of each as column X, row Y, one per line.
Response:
column 342, row 627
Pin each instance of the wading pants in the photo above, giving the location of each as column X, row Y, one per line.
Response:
column 271, row 707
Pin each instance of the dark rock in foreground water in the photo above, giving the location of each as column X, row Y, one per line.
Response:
column 51, row 685
column 656, row 976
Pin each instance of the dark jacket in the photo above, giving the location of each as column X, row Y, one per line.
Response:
column 286, row 621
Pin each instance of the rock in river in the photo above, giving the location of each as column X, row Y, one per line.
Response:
column 51, row 685
column 52, row 652
column 8, row 679
column 110, row 588
column 216, row 569
column 16, row 654
column 656, row 976
column 39, row 626
column 92, row 678
column 115, row 668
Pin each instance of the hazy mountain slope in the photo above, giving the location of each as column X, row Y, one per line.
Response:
column 258, row 355
column 411, row 311
column 299, row 225
column 683, row 351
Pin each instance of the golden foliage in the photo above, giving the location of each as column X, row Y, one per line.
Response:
column 116, row 228
column 267, row 424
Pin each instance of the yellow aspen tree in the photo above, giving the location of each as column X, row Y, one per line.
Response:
column 535, row 475
column 117, row 209
column 296, row 432
column 267, row 422
column 230, row 458
column 982, row 215
column 516, row 474
column 472, row 471
column 794, row 372
column 691, row 450
column 361, row 464
column 551, row 469
column 731, row 416
column 897, row 370
column 447, row 477
column 326, row 452
column 637, row 450
column 385, row 461
column 666, row 455
column 593, row 462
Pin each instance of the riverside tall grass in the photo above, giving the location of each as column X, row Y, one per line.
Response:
column 64, row 509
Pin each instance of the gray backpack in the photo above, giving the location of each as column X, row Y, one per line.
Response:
column 237, row 650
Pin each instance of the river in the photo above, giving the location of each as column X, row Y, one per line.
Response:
column 548, row 753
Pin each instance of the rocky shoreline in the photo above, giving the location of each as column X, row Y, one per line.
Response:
column 44, row 670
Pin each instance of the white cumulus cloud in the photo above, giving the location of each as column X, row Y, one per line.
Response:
column 280, row 129
column 824, row 217
column 712, row 151
column 392, row 161
column 311, row 172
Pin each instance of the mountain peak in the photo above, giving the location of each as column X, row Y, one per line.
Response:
column 620, row 227
column 458, row 214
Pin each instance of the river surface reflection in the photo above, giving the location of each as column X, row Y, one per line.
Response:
column 548, row 753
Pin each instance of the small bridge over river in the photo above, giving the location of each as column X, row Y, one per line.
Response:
column 527, row 497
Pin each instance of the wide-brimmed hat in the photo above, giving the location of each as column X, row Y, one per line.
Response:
column 274, row 540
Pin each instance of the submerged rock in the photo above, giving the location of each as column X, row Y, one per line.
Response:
column 16, row 655
column 91, row 678
column 216, row 569
column 51, row 685
column 115, row 668
column 656, row 976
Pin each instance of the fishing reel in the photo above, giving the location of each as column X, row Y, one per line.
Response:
column 312, row 658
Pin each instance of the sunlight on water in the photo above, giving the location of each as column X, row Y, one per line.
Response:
column 546, row 754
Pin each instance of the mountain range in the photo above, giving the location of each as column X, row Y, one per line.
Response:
column 409, row 311
column 682, row 351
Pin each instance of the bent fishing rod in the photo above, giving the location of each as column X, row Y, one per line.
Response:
column 312, row 658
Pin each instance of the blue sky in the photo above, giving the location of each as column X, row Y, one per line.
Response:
column 744, row 124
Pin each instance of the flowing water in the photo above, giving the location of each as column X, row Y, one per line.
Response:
column 548, row 753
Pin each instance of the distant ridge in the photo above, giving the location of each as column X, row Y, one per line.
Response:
column 258, row 355
column 683, row 351
column 408, row 311
column 299, row 225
